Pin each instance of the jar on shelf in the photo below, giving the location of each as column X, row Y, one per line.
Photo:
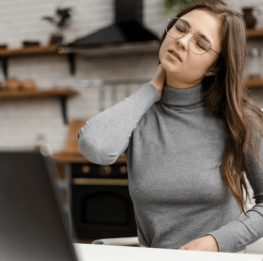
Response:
column 253, row 64
column 43, row 146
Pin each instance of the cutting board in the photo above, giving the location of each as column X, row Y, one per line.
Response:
column 72, row 145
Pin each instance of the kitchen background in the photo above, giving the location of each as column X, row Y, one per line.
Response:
column 26, row 121
column 101, row 81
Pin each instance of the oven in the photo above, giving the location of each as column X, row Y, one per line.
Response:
column 101, row 205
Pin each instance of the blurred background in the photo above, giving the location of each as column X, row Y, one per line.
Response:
column 62, row 62
column 101, row 80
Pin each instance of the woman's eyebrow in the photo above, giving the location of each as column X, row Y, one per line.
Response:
column 204, row 36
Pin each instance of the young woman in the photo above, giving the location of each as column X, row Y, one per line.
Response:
column 190, row 135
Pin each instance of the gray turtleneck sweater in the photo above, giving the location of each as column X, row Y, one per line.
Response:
column 173, row 149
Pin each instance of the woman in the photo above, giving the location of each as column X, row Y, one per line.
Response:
column 187, row 136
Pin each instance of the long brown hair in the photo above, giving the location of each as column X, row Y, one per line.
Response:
column 226, row 95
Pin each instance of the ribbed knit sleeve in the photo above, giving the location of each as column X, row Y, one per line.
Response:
column 244, row 231
column 106, row 135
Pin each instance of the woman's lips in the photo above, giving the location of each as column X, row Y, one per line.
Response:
column 173, row 57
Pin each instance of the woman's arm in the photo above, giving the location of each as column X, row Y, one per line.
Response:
column 106, row 135
column 244, row 231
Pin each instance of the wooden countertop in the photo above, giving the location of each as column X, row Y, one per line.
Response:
column 67, row 157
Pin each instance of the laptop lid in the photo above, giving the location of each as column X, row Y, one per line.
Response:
column 32, row 222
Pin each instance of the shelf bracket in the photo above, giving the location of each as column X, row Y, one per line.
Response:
column 72, row 63
column 63, row 100
column 4, row 61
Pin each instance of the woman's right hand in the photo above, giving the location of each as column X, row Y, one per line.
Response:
column 158, row 80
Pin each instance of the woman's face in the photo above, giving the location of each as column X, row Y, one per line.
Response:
column 193, row 68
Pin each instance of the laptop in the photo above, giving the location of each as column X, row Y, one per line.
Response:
column 33, row 225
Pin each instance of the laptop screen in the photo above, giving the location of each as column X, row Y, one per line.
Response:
column 32, row 226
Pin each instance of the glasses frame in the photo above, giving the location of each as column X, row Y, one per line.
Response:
column 188, row 29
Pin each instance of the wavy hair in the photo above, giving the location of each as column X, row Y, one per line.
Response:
column 226, row 95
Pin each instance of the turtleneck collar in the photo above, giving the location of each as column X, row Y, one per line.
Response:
column 181, row 97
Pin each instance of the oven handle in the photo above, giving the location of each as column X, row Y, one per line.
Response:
column 105, row 182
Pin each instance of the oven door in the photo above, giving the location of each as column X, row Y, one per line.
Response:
column 102, row 208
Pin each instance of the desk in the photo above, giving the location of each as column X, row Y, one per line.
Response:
column 94, row 252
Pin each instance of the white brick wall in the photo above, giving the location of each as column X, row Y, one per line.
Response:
column 23, row 120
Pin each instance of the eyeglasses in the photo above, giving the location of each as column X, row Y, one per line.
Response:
column 199, row 43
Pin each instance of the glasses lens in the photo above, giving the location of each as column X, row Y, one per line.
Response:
column 177, row 29
column 199, row 44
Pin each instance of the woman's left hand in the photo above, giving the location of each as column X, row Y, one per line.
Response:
column 207, row 243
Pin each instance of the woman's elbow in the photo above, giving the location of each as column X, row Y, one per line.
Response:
column 88, row 149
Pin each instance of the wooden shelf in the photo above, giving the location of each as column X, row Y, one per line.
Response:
column 254, row 83
column 37, row 93
column 255, row 33
column 61, row 93
column 37, row 50
column 29, row 50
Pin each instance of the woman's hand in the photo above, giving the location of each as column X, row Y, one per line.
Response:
column 158, row 80
column 207, row 243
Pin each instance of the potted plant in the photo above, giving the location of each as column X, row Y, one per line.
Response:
column 61, row 20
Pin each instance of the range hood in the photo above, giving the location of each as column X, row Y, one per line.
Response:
column 126, row 35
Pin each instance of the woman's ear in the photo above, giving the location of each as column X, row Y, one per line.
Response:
column 210, row 72
column 214, row 70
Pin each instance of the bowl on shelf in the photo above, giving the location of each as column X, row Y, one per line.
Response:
column 3, row 46
column 254, row 77
column 28, row 85
column 12, row 84
column 30, row 44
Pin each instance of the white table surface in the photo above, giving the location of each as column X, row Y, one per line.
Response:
column 86, row 252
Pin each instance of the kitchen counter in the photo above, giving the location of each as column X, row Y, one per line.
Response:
column 66, row 157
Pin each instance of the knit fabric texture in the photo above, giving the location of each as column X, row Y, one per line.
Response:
column 174, row 149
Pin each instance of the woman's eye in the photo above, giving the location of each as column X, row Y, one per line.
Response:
column 180, row 30
column 201, row 46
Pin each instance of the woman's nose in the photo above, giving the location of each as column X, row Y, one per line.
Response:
column 185, row 40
